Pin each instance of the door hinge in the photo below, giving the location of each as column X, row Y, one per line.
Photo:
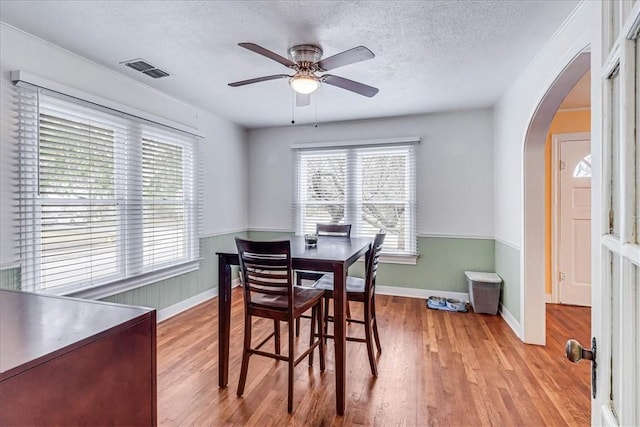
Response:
column 561, row 276
column 594, row 368
column 562, row 165
column 610, row 221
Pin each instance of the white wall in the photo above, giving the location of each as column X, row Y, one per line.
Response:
column 224, row 143
column 225, row 207
column 513, row 114
column 455, row 176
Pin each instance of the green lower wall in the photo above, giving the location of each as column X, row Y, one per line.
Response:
column 440, row 267
column 10, row 278
column 267, row 235
column 171, row 291
column 441, row 264
column 508, row 267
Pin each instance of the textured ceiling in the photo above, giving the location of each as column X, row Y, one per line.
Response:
column 430, row 55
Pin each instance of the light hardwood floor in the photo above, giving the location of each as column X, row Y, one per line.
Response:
column 436, row 368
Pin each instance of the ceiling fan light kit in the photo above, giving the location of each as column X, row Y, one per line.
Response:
column 306, row 62
column 303, row 83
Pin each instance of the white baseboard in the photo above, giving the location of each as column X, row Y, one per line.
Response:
column 191, row 302
column 419, row 293
column 186, row 304
column 548, row 298
column 511, row 321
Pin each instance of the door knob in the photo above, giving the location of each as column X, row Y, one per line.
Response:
column 575, row 353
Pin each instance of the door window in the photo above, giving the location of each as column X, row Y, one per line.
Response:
column 583, row 168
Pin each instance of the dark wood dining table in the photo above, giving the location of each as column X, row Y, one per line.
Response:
column 331, row 254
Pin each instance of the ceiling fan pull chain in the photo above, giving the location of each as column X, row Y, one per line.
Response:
column 315, row 101
column 293, row 108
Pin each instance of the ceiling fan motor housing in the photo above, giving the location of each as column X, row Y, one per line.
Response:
column 305, row 55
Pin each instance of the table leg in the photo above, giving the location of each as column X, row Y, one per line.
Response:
column 339, row 333
column 224, row 319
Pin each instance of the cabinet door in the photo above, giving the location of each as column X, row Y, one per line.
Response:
column 108, row 381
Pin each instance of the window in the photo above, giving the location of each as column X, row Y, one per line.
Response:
column 104, row 197
column 369, row 185
column 583, row 168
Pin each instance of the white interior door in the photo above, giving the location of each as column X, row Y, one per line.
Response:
column 616, row 209
column 574, row 219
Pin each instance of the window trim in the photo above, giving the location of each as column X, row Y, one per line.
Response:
column 405, row 140
column 400, row 259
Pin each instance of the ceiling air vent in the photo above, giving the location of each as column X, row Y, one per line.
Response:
column 145, row 68
column 156, row 73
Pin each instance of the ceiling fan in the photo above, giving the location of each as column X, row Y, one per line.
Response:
column 305, row 60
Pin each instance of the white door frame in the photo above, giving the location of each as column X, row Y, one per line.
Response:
column 614, row 56
column 556, row 139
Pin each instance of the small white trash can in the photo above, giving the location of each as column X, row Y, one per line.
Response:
column 484, row 291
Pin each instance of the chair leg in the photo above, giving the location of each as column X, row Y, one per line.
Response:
column 348, row 312
column 375, row 323
column 291, row 360
column 321, row 337
column 298, row 283
column 245, row 355
column 369, row 339
column 312, row 331
column 326, row 317
column 276, row 330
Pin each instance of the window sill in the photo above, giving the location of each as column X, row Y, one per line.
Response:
column 113, row 288
column 403, row 259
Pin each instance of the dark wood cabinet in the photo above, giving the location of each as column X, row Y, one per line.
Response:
column 66, row 361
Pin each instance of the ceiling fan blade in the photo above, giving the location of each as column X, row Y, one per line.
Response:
column 302, row 100
column 351, row 85
column 258, row 80
column 347, row 57
column 266, row 52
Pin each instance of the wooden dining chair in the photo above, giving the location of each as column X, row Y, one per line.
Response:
column 360, row 290
column 269, row 293
column 327, row 230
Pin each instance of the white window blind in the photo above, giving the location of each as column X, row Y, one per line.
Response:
column 368, row 186
column 103, row 197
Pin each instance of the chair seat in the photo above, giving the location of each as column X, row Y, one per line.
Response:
column 354, row 284
column 303, row 299
column 309, row 275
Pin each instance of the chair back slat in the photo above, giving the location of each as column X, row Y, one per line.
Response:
column 263, row 275
column 373, row 257
column 266, row 269
column 335, row 230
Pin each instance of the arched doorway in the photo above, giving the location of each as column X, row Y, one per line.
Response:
column 532, row 302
